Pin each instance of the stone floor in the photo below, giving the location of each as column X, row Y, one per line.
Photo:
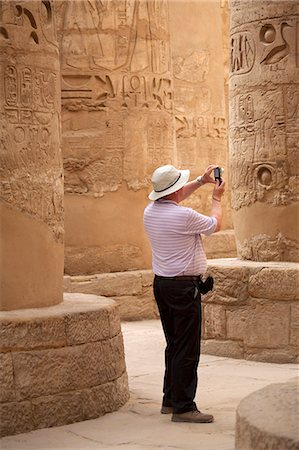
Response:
column 223, row 382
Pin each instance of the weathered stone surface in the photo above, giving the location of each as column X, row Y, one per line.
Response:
column 199, row 104
column 137, row 307
column 220, row 245
column 31, row 179
column 75, row 406
column 15, row 417
column 230, row 349
column 230, row 287
column 147, row 278
column 276, row 284
column 214, row 322
column 19, row 332
column 52, row 371
column 108, row 284
column 268, row 419
column 264, row 78
column 268, row 325
column 229, row 312
column 294, row 339
column 7, row 390
column 54, row 326
column 236, row 323
column 273, row 355
column 92, row 326
column 82, row 376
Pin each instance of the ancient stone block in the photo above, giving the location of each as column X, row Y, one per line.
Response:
column 137, row 307
column 275, row 283
column 214, row 321
column 230, row 286
column 229, row 349
column 7, row 390
column 31, row 332
column 107, row 258
column 236, row 323
column 75, row 406
column 15, row 417
column 268, row 325
column 294, row 339
column 220, row 245
column 273, row 355
column 92, row 327
column 147, row 277
column 53, row 371
column 108, row 284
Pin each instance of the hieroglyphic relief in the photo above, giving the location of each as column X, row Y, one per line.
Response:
column 264, row 126
column 115, row 60
column 261, row 119
column 30, row 159
column 193, row 116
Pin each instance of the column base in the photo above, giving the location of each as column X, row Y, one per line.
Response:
column 268, row 418
column 61, row 364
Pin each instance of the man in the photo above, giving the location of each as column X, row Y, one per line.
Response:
column 179, row 261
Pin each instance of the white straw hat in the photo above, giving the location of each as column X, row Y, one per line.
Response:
column 166, row 180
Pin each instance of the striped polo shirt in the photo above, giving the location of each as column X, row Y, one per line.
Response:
column 175, row 232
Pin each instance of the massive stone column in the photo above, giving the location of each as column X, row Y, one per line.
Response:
column 31, row 238
column 117, row 126
column 264, row 128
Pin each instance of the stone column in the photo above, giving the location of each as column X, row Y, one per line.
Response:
column 264, row 128
column 31, row 239
column 117, row 125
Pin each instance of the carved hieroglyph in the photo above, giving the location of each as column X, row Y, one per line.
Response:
column 199, row 100
column 117, row 93
column 30, row 159
column 117, row 125
column 264, row 128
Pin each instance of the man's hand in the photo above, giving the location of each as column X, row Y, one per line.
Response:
column 206, row 177
column 218, row 190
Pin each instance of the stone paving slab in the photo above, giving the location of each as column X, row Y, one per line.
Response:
column 138, row 425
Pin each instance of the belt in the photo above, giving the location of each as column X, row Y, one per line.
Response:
column 181, row 278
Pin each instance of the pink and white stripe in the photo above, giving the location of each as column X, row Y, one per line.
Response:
column 175, row 232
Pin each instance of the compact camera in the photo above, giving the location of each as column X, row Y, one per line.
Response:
column 218, row 171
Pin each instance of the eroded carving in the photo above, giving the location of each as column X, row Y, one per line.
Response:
column 264, row 248
column 115, row 63
column 264, row 128
column 30, row 160
column 242, row 52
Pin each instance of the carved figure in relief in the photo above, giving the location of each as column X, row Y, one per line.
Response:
column 122, row 34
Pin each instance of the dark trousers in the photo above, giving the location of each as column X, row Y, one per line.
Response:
column 180, row 311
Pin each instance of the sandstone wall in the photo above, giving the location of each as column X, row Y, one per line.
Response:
column 198, row 32
column 118, row 126
column 129, row 87
column 252, row 313
column 264, row 128
column 31, row 194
